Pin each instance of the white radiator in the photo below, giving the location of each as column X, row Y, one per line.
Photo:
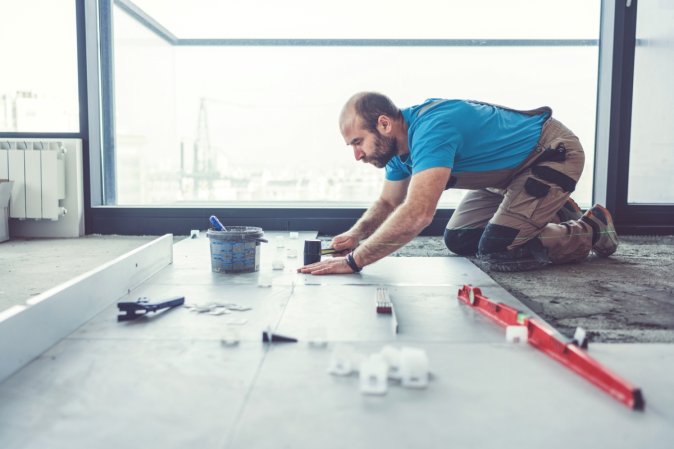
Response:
column 47, row 186
column 38, row 171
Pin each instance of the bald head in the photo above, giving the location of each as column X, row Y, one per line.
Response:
column 365, row 108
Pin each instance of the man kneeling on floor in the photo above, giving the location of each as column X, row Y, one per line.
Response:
column 520, row 168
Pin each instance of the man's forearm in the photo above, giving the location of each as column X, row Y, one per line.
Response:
column 372, row 219
column 398, row 230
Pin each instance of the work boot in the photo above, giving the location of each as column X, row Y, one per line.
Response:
column 569, row 211
column 604, row 237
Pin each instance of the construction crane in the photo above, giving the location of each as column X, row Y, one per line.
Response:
column 204, row 158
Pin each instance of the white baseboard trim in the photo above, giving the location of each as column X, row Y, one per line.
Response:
column 26, row 331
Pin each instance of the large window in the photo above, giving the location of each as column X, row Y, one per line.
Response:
column 238, row 101
column 652, row 138
column 38, row 78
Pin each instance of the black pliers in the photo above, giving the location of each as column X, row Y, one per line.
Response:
column 132, row 310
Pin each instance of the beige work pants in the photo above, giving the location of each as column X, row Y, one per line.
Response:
column 527, row 207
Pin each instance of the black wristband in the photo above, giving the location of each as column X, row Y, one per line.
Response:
column 351, row 262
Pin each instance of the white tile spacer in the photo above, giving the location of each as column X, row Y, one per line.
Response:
column 342, row 362
column 392, row 356
column 291, row 253
column 580, row 338
column 414, row 371
column 194, row 233
column 373, row 375
column 230, row 337
column 317, row 337
column 517, row 334
column 277, row 264
column 294, row 235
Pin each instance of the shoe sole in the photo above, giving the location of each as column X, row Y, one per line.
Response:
column 514, row 266
column 605, row 216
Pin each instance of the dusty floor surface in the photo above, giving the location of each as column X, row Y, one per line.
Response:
column 29, row 267
column 628, row 297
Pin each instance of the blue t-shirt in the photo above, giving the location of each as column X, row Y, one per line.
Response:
column 466, row 137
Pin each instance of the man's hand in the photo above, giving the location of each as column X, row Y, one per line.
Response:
column 392, row 195
column 344, row 242
column 334, row 265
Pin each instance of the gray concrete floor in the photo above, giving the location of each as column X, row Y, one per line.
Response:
column 628, row 297
column 97, row 386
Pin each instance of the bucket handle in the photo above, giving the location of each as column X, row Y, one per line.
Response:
column 261, row 240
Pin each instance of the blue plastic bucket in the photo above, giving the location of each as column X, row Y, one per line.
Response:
column 236, row 249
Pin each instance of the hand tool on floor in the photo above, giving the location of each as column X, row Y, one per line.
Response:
column 383, row 300
column 130, row 310
column 270, row 337
column 568, row 353
column 384, row 306
column 313, row 251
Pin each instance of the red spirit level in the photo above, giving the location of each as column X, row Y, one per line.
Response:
column 565, row 352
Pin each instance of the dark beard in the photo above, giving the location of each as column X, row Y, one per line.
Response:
column 384, row 150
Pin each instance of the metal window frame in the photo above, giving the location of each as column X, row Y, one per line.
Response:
column 614, row 124
column 155, row 220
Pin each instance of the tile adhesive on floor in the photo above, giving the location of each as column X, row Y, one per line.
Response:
column 200, row 375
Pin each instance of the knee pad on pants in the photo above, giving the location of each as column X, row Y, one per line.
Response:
column 463, row 242
column 496, row 238
column 530, row 256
